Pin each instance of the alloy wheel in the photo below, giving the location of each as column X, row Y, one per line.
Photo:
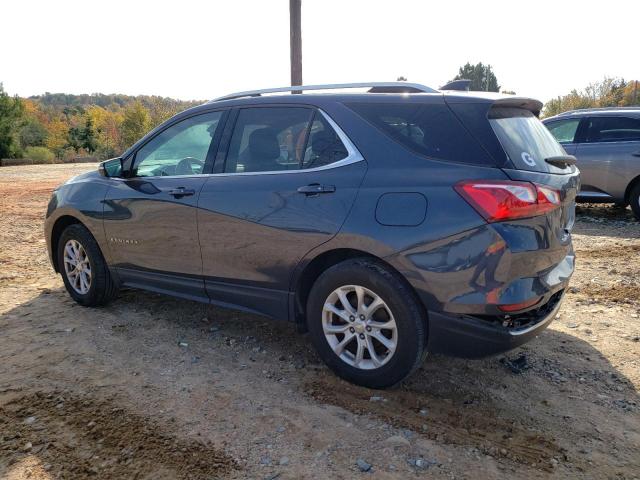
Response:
column 359, row 326
column 77, row 267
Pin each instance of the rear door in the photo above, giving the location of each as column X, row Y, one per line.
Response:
column 150, row 217
column 609, row 157
column 285, row 186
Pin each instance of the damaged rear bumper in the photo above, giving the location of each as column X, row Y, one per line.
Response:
column 476, row 337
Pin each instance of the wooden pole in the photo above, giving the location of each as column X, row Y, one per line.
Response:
column 296, row 41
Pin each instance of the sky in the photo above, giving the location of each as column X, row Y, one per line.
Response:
column 200, row 50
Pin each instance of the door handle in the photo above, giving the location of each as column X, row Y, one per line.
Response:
column 316, row 188
column 181, row 192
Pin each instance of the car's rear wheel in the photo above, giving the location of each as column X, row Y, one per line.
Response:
column 366, row 323
column 84, row 271
column 634, row 200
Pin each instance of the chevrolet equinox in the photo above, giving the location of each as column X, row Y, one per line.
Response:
column 387, row 223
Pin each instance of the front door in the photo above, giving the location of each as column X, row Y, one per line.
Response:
column 288, row 182
column 150, row 217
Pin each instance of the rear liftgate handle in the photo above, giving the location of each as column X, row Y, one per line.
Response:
column 316, row 189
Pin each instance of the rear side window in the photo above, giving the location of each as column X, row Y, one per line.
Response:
column 564, row 130
column 268, row 139
column 613, row 129
column 272, row 139
column 426, row 129
column 524, row 138
column 323, row 146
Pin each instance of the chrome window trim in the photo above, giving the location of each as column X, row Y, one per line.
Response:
column 353, row 156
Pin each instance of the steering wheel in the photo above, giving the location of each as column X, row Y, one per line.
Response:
column 185, row 166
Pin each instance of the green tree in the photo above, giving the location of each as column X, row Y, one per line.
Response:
column 11, row 110
column 85, row 137
column 135, row 124
column 481, row 76
column 89, row 136
column 32, row 134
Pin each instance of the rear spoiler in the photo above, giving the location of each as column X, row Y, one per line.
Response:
column 531, row 104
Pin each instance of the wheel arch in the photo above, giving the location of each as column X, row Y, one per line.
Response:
column 59, row 226
column 325, row 260
column 630, row 187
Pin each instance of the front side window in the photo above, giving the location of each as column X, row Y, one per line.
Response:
column 564, row 130
column 613, row 129
column 181, row 149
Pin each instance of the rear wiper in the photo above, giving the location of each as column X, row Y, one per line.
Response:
column 561, row 161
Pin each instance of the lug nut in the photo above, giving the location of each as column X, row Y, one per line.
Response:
column 352, row 318
column 362, row 336
column 361, row 317
column 352, row 330
column 368, row 328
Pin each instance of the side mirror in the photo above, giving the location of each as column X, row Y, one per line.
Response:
column 111, row 168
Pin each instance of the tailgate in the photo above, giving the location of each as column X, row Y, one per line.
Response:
column 561, row 220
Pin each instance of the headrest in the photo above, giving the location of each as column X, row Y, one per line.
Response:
column 263, row 144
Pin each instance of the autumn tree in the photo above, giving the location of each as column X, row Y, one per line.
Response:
column 481, row 76
column 11, row 111
column 107, row 124
column 161, row 109
column 57, row 132
column 135, row 124
column 609, row 92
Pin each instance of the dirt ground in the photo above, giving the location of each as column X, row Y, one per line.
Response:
column 152, row 387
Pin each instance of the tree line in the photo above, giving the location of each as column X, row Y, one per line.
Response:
column 62, row 126
column 609, row 92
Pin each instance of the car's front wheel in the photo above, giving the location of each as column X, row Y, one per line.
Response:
column 634, row 200
column 84, row 271
column 366, row 323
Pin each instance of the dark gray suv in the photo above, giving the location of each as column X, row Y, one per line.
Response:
column 389, row 223
column 606, row 142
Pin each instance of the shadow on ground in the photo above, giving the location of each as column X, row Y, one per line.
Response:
column 545, row 418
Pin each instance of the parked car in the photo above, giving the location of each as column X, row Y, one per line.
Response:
column 389, row 223
column 606, row 142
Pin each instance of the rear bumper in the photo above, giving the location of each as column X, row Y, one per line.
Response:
column 472, row 337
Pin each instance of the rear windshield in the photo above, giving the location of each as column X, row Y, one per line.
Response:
column 427, row 129
column 524, row 138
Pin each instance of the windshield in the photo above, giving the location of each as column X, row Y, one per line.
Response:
column 524, row 138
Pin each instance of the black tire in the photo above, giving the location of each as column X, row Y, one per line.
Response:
column 102, row 288
column 397, row 294
column 634, row 200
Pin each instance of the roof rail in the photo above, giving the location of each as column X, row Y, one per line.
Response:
column 598, row 109
column 376, row 87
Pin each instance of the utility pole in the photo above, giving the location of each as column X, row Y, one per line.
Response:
column 296, row 41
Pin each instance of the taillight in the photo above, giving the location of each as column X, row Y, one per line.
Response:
column 498, row 200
